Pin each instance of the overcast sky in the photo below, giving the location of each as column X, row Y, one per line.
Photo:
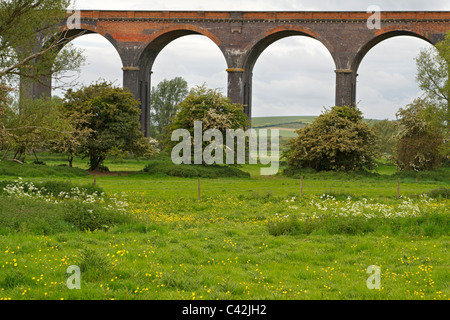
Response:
column 294, row 76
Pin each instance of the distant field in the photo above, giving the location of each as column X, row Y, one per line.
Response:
column 287, row 124
column 293, row 122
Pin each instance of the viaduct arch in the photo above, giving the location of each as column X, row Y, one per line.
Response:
column 139, row 36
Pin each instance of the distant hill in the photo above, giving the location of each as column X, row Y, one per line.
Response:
column 286, row 124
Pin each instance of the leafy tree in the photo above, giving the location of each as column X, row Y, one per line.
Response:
column 165, row 99
column 33, row 48
column 433, row 71
column 212, row 108
column 33, row 125
column 112, row 116
column 387, row 134
column 32, row 45
column 420, row 139
column 72, row 142
column 4, row 101
column 433, row 65
column 338, row 140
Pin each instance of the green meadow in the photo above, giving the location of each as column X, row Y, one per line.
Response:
column 150, row 236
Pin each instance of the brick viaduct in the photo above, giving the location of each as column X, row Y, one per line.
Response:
column 139, row 36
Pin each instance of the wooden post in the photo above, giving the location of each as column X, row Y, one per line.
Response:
column 199, row 190
column 301, row 186
column 398, row 188
column 95, row 181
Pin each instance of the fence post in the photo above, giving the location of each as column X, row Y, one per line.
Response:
column 301, row 186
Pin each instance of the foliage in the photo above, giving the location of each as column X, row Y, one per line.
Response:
column 442, row 192
column 34, row 125
column 387, row 134
column 112, row 116
column 165, row 99
column 337, row 140
column 72, row 142
column 13, row 169
column 212, row 108
column 54, row 188
column 433, row 67
column 161, row 167
column 361, row 217
column 433, row 72
column 420, row 139
column 71, row 207
column 28, row 46
column 3, row 105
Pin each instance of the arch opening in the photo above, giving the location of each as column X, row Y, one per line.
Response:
column 292, row 76
column 381, row 38
column 387, row 74
column 102, row 62
column 184, row 53
column 193, row 57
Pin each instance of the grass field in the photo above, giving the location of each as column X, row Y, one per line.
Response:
column 246, row 238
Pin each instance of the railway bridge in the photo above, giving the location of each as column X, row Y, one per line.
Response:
column 139, row 36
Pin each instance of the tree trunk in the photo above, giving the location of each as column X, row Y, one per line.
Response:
column 96, row 162
column 70, row 159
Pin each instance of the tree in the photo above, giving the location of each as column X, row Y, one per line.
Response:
column 433, row 67
column 338, row 140
column 33, row 48
column 212, row 108
column 112, row 115
column 72, row 143
column 165, row 99
column 420, row 139
column 32, row 45
column 387, row 134
column 433, row 71
column 33, row 125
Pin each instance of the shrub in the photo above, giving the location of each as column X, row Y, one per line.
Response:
column 14, row 169
column 89, row 217
column 443, row 193
column 193, row 171
column 338, row 140
column 31, row 216
column 50, row 188
column 420, row 139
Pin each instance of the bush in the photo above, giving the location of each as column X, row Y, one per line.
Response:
column 54, row 188
column 425, row 225
column 31, row 216
column 89, row 217
column 421, row 138
column 43, row 218
column 193, row 171
column 14, row 169
column 338, row 140
column 443, row 193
